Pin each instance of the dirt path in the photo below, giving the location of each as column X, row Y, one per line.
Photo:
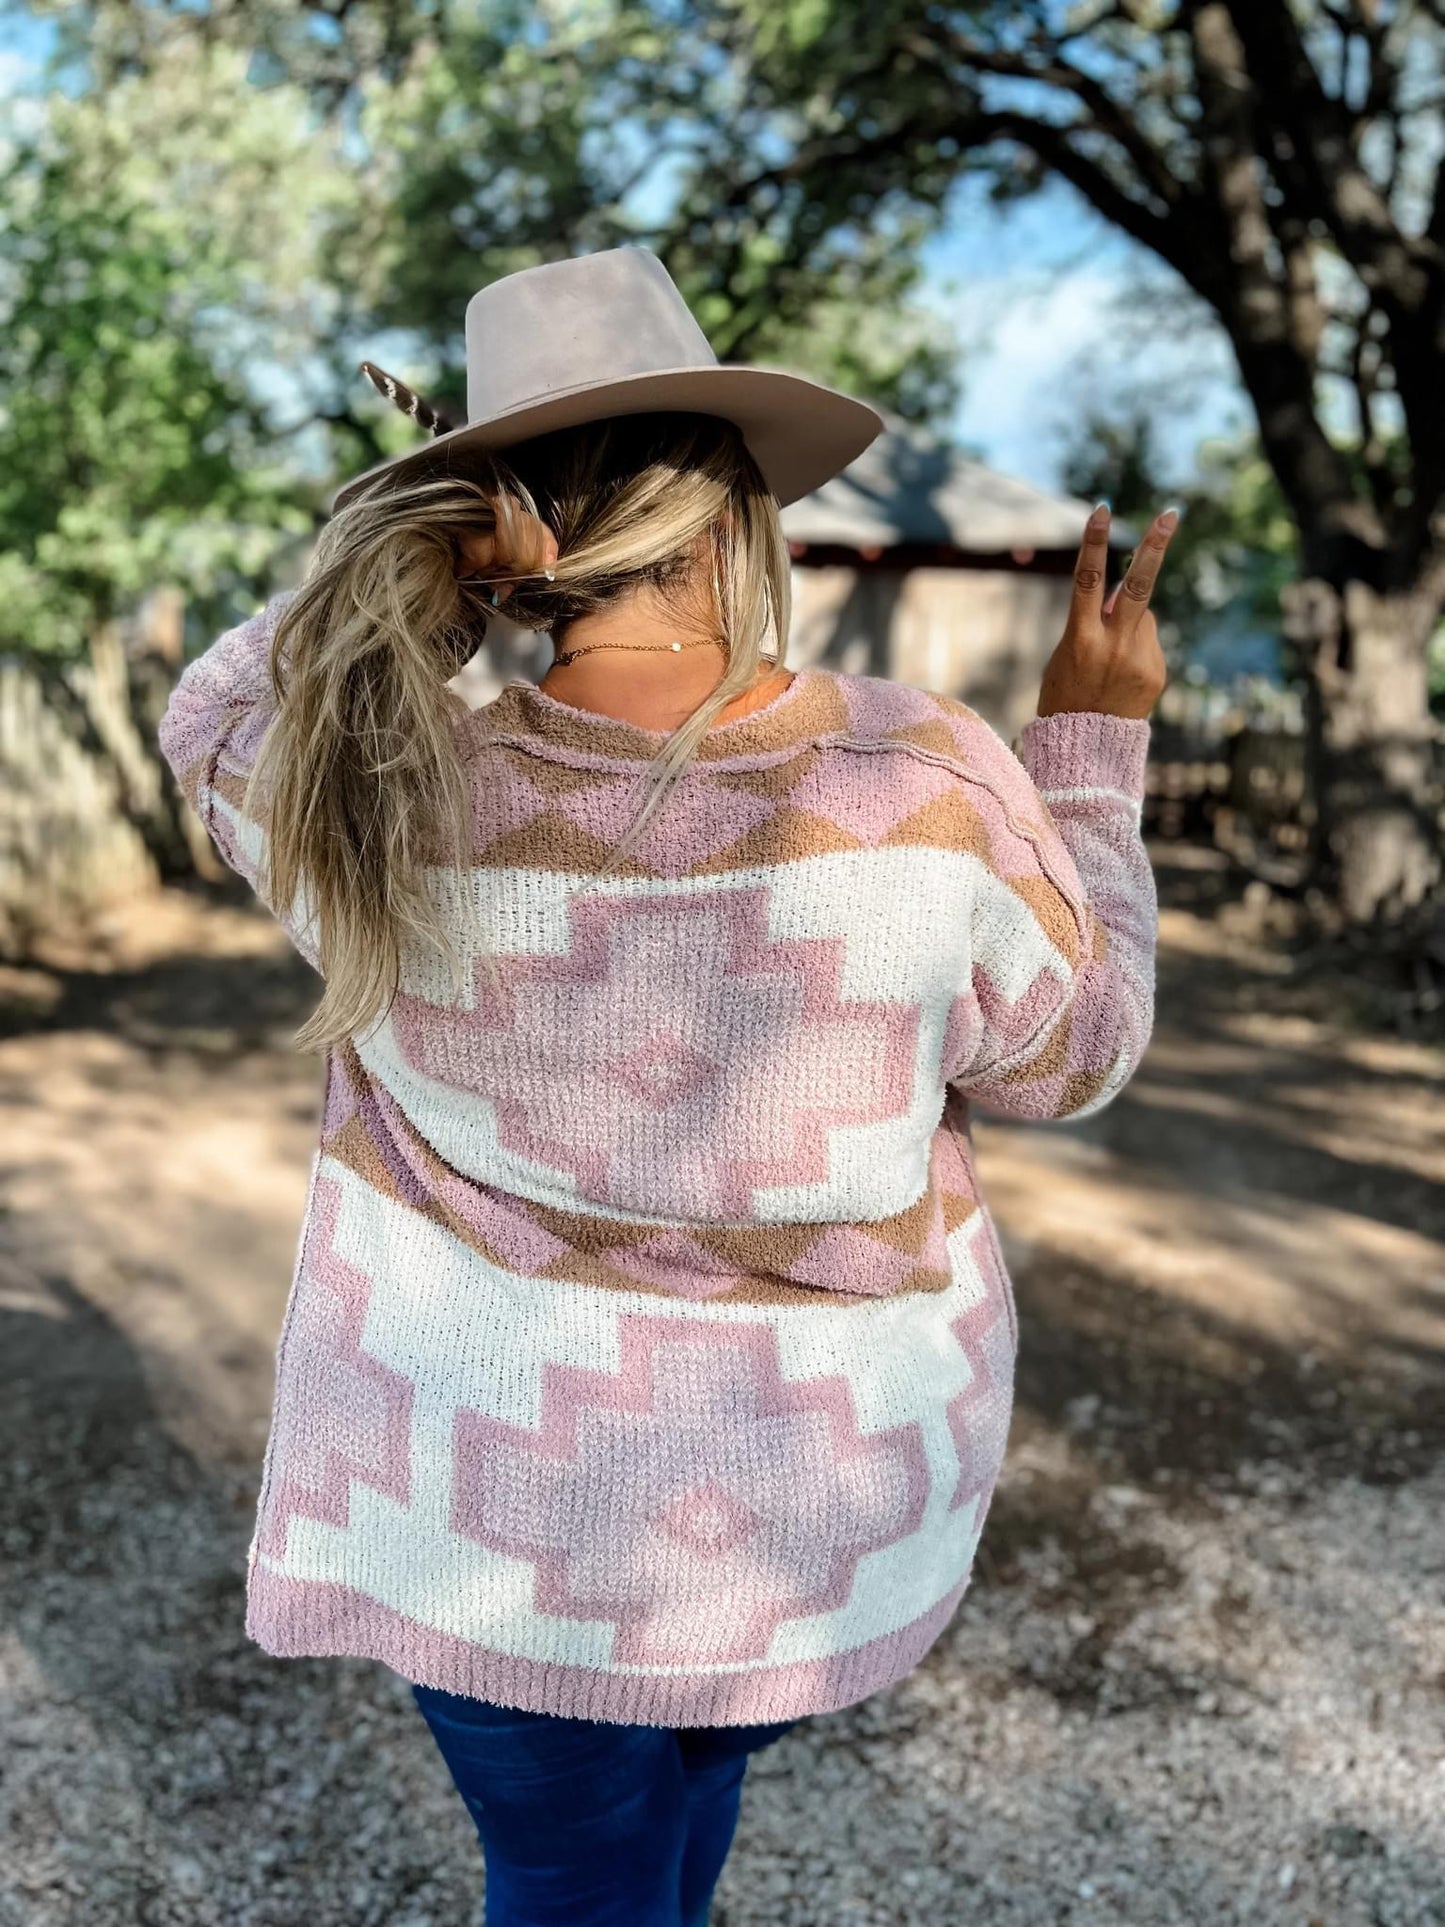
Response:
column 1200, row 1676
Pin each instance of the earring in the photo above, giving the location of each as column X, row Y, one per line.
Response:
column 492, row 596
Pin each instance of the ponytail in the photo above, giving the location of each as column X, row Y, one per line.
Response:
column 360, row 783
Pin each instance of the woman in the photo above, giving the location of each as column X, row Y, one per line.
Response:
column 648, row 1364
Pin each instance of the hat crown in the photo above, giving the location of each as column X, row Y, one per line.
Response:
column 596, row 317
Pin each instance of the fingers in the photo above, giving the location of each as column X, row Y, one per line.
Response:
column 1090, row 568
column 537, row 545
column 1128, row 601
column 524, row 542
column 476, row 553
column 1109, row 659
column 519, row 546
column 507, row 545
column 525, row 546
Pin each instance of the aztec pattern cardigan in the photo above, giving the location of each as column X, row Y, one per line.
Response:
column 649, row 1354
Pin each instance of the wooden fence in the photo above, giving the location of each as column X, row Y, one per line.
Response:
column 88, row 814
column 1231, row 774
column 1245, row 791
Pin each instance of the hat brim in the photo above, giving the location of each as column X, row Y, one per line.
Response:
column 800, row 432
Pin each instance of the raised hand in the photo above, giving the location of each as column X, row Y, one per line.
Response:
column 517, row 546
column 1109, row 659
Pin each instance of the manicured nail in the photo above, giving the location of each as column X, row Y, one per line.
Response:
column 495, row 598
column 1169, row 520
column 1100, row 516
column 550, row 574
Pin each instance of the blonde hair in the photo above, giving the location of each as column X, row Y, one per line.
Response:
column 360, row 784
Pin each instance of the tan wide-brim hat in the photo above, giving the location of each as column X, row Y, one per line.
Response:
column 610, row 334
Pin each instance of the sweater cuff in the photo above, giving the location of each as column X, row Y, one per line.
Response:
column 1086, row 749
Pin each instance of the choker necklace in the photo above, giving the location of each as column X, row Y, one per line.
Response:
column 650, row 648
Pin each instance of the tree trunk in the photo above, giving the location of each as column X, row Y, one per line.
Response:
column 117, row 698
column 1373, row 755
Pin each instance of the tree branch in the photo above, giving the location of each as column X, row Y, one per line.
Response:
column 1319, row 125
column 1111, row 116
column 1273, row 320
column 1364, row 370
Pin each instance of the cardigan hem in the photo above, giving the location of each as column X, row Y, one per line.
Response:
column 311, row 1618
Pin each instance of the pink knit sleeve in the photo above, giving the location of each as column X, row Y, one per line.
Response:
column 1060, row 1004
column 210, row 736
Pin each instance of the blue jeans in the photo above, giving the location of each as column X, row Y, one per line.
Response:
column 592, row 1824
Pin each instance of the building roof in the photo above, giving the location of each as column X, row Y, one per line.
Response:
column 909, row 487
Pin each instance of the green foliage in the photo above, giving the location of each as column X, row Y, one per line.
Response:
column 784, row 157
column 219, row 212
column 1236, row 544
column 497, row 148
column 149, row 241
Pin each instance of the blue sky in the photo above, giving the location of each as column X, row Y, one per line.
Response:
column 1049, row 305
column 1045, row 301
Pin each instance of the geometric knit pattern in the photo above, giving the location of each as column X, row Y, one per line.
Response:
column 650, row 1351
column 704, row 1440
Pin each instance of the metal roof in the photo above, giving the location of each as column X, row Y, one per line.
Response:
column 909, row 487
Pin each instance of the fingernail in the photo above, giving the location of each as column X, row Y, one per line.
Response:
column 550, row 574
column 1100, row 516
column 495, row 598
column 1169, row 520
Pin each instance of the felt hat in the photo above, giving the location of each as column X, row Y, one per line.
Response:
column 610, row 334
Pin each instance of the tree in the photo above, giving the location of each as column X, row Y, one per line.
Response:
column 138, row 267
column 1236, row 545
column 1281, row 159
column 213, row 215
column 1277, row 155
column 485, row 136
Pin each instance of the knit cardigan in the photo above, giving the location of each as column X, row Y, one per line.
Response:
column 649, row 1354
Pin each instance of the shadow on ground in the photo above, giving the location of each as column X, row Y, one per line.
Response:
column 1190, row 1684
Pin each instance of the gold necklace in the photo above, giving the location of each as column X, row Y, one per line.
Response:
column 648, row 648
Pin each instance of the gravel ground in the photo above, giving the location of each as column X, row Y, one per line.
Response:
column 1200, row 1676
